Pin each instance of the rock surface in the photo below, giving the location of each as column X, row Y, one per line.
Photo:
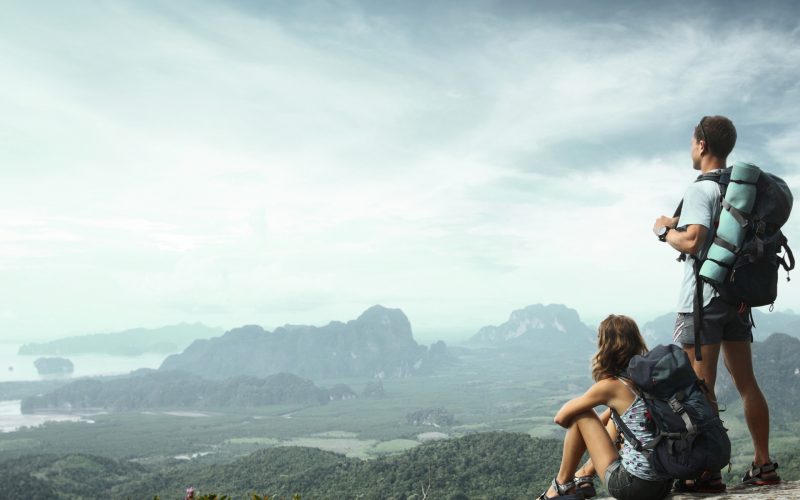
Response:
column 789, row 490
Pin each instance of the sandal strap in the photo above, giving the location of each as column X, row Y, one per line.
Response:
column 754, row 473
column 757, row 470
column 751, row 472
column 562, row 489
column 770, row 467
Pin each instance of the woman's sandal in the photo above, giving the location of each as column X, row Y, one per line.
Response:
column 708, row 482
column 562, row 490
column 755, row 475
column 585, row 485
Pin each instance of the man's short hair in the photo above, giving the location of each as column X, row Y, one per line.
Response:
column 720, row 135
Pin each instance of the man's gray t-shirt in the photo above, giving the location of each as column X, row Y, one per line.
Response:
column 700, row 204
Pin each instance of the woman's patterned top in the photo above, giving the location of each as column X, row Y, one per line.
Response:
column 635, row 417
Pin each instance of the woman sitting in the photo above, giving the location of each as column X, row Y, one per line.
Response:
column 626, row 472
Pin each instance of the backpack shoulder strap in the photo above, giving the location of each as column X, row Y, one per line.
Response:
column 626, row 431
column 679, row 209
column 623, row 428
column 721, row 176
column 697, row 310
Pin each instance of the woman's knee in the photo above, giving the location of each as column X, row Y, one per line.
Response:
column 587, row 414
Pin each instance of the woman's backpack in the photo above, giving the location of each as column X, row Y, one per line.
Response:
column 689, row 436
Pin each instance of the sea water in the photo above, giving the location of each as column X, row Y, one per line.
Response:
column 20, row 368
column 16, row 368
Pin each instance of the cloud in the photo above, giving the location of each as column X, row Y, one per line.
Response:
column 785, row 147
column 299, row 163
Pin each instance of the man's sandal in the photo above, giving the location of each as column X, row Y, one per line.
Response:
column 708, row 482
column 585, row 485
column 562, row 490
column 755, row 475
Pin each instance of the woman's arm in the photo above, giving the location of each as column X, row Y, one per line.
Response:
column 598, row 394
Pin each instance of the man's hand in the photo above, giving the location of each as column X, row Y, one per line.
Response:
column 664, row 221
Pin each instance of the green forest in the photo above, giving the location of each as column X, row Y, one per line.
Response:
column 487, row 465
column 492, row 465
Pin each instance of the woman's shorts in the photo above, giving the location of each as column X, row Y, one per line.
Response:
column 623, row 485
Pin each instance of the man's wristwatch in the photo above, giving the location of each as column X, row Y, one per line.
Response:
column 662, row 233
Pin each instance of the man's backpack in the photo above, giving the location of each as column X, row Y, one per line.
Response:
column 751, row 278
column 689, row 436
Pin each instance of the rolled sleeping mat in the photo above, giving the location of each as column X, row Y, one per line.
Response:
column 736, row 206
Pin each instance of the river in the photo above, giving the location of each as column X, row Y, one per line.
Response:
column 12, row 419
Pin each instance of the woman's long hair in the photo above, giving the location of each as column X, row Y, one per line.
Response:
column 618, row 340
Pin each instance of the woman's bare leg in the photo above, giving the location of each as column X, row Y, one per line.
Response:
column 585, row 432
column 587, row 469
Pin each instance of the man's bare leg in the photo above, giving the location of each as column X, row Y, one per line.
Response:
column 706, row 369
column 739, row 362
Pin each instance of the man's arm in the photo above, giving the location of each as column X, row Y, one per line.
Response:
column 696, row 217
column 688, row 241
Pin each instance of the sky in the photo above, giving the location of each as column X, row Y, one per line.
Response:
column 298, row 162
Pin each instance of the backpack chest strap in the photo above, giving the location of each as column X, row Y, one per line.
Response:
column 678, row 408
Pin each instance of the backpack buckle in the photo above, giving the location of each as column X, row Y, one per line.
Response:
column 676, row 406
column 760, row 227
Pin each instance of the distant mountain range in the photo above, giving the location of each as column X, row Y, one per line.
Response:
column 660, row 330
column 135, row 342
column 553, row 328
column 379, row 343
column 150, row 389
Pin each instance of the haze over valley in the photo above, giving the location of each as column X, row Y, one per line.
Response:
column 362, row 389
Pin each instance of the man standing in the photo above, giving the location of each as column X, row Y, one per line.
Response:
column 725, row 327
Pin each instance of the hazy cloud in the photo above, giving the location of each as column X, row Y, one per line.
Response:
column 289, row 162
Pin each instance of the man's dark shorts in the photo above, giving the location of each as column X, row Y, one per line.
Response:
column 721, row 321
column 623, row 485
